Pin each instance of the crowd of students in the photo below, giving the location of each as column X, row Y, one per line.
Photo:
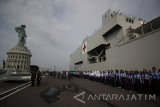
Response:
column 145, row 81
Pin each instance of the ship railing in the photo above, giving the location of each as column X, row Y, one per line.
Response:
column 140, row 32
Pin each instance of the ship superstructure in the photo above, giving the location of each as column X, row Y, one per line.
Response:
column 123, row 42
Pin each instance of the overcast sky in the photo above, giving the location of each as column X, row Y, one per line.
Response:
column 55, row 28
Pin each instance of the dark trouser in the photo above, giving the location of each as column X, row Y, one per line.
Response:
column 32, row 82
column 109, row 80
column 102, row 79
column 113, row 81
column 130, row 84
column 106, row 80
column 38, row 82
column 138, row 86
column 146, row 86
column 89, row 77
column 92, row 78
column 117, row 82
column 158, row 87
column 153, row 85
column 123, row 82
column 98, row 79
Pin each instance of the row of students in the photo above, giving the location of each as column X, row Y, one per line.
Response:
column 146, row 81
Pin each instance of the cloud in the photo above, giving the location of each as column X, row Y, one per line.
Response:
column 55, row 28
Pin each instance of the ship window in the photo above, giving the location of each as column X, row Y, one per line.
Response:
column 105, row 16
column 111, row 15
column 132, row 21
column 129, row 20
column 126, row 19
column 79, row 63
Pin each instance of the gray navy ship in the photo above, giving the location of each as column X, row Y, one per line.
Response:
column 122, row 42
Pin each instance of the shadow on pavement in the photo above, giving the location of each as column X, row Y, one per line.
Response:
column 51, row 94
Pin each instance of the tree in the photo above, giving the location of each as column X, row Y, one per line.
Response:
column 34, row 68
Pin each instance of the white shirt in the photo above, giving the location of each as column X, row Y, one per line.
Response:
column 130, row 76
column 123, row 74
column 146, row 77
column 153, row 75
column 138, row 76
column 158, row 75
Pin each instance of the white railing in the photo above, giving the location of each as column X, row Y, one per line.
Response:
column 150, row 27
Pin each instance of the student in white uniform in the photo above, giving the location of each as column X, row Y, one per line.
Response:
column 109, row 77
column 154, row 80
column 91, row 75
column 158, row 82
column 117, row 78
column 123, row 79
column 112, row 78
column 157, row 90
column 103, row 78
column 130, row 80
column 137, row 81
column 106, row 77
column 147, row 81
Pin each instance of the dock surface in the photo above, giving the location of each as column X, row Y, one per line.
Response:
column 54, row 92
